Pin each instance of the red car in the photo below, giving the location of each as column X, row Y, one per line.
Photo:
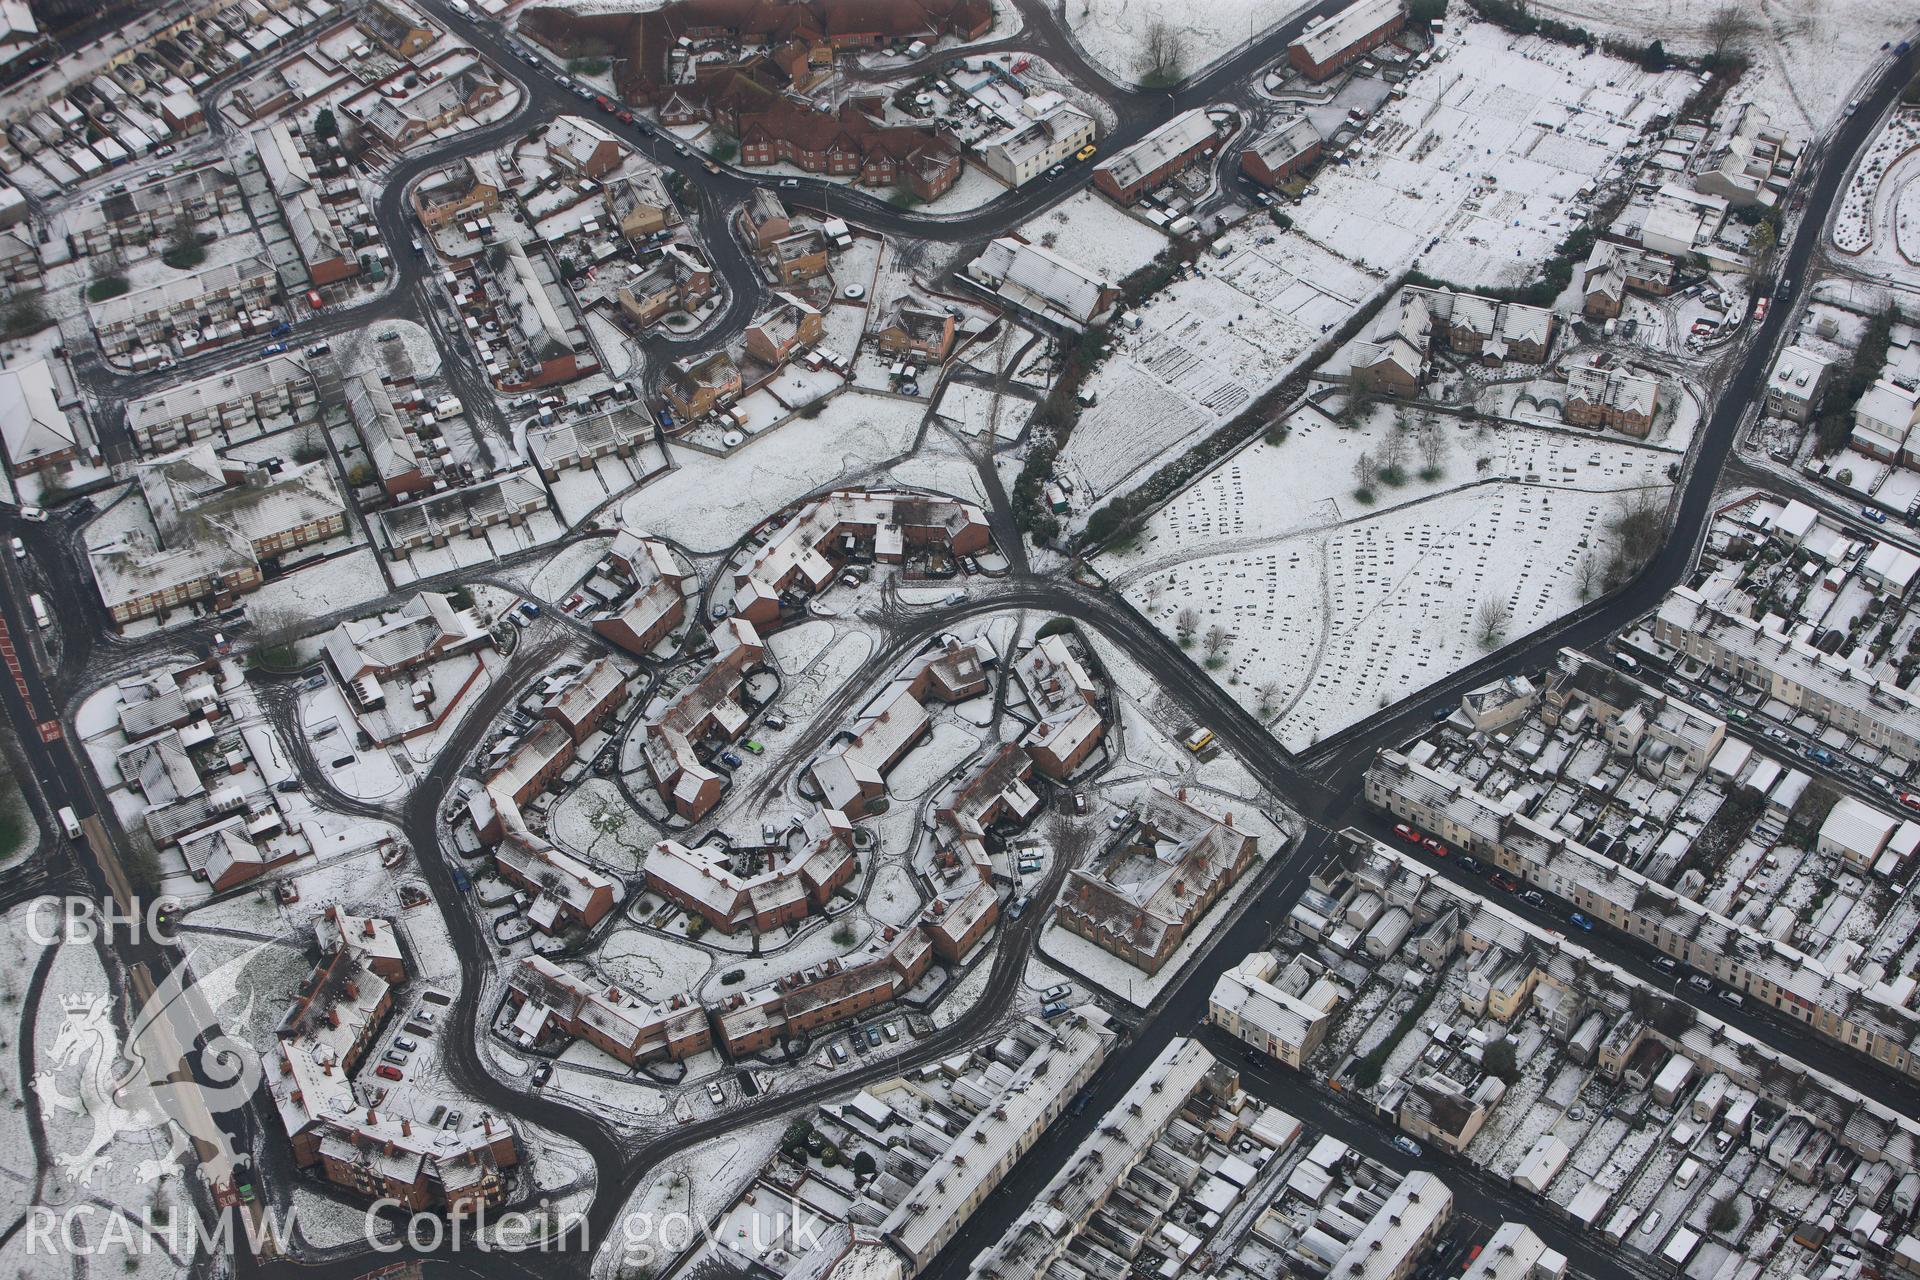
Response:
column 1406, row 833
column 624, row 117
column 1910, row 799
column 1434, row 847
column 314, row 299
column 386, row 1072
column 1505, row 883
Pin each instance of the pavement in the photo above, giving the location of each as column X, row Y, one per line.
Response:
column 1323, row 784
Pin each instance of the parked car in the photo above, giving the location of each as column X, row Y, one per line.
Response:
column 1406, row 833
column 1700, row 982
column 1472, row 864
column 1505, row 883
column 19, row 548
column 1666, row 964
column 394, row 1056
column 1408, row 1145
column 731, row 759
column 273, row 349
column 1435, row 847
column 1534, row 898
column 386, row 1072
column 542, row 1074
column 715, row 1094
column 1734, row 998
column 753, row 745
column 1580, row 921
column 873, row 1036
column 1870, row 513
column 405, row 1045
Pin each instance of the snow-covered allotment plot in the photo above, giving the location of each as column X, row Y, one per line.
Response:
column 1207, row 345
column 1487, row 153
column 1332, row 609
column 1113, row 33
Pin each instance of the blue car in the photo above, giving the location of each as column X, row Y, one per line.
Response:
column 1873, row 514
column 731, row 759
column 1579, row 921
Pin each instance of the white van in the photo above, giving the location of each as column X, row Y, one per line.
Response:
column 69, row 823
column 40, row 614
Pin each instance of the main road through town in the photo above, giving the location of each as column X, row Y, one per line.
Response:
column 1322, row 785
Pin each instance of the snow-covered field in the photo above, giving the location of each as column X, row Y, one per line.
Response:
column 317, row 590
column 1113, row 33
column 1808, row 55
column 706, row 503
column 1092, row 230
column 1207, row 345
column 1332, row 609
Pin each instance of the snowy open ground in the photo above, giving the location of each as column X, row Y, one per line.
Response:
column 1807, row 57
column 1334, row 609
column 707, row 503
column 1098, row 234
column 1112, row 33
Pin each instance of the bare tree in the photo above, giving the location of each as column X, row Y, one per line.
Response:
column 1216, row 640
column 1588, row 575
column 1490, row 622
column 1268, row 694
column 1165, row 53
column 1185, row 623
column 1433, row 447
column 1366, row 475
column 1730, row 26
